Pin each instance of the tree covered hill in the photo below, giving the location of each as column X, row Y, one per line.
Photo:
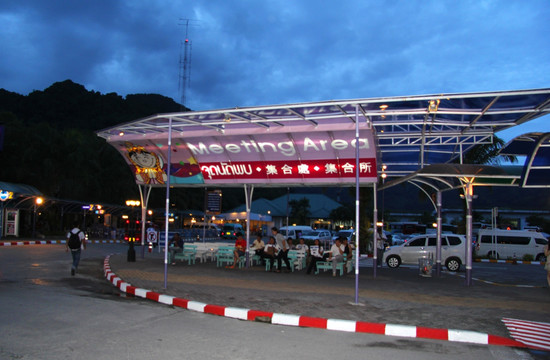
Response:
column 67, row 104
column 49, row 140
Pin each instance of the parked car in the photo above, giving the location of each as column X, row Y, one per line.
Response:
column 295, row 231
column 230, row 230
column 322, row 235
column 348, row 234
column 400, row 238
column 424, row 246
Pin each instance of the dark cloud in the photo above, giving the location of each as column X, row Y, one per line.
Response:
column 269, row 52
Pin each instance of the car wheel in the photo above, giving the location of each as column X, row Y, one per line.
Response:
column 453, row 264
column 393, row 261
column 540, row 257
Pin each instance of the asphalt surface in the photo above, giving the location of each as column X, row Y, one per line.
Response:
column 394, row 296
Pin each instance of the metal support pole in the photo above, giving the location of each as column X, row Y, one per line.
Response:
column 374, row 234
column 469, row 193
column 248, row 191
column 167, row 208
column 144, row 205
column 357, row 209
column 438, row 248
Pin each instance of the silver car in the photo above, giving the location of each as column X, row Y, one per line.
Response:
column 323, row 236
column 423, row 246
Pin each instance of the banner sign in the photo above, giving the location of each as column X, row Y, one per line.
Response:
column 214, row 202
column 329, row 170
column 316, row 157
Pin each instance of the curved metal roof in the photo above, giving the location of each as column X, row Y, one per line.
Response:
column 536, row 148
column 411, row 132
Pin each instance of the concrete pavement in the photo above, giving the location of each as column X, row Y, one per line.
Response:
column 399, row 298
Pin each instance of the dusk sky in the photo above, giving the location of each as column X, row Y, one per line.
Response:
column 248, row 53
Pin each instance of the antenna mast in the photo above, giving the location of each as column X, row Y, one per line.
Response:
column 184, row 65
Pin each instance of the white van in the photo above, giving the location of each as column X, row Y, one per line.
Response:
column 511, row 244
column 294, row 232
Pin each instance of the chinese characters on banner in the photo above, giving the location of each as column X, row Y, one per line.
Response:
column 329, row 170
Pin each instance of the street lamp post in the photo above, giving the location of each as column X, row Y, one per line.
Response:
column 37, row 202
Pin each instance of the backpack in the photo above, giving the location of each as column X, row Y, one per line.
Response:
column 74, row 241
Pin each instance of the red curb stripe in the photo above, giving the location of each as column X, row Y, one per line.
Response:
column 152, row 296
column 431, row 333
column 253, row 314
column 180, row 302
column 312, row 322
column 131, row 289
column 499, row 340
column 371, row 328
column 215, row 310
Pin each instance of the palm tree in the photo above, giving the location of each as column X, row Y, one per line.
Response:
column 488, row 154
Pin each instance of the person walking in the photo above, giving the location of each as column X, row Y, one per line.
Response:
column 76, row 241
column 380, row 246
column 283, row 252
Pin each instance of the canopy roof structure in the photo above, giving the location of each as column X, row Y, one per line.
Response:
column 409, row 133
column 536, row 148
column 444, row 177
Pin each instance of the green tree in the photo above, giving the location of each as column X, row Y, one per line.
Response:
column 299, row 211
column 488, row 153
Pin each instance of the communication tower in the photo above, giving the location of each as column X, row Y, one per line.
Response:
column 184, row 64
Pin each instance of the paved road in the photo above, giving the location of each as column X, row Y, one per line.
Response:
column 47, row 314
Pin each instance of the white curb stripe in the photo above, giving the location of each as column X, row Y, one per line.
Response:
column 285, row 319
column 141, row 292
column 400, row 330
column 166, row 299
column 236, row 313
column 468, row 336
column 196, row 306
column 341, row 325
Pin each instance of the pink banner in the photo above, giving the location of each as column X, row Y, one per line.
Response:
column 316, row 156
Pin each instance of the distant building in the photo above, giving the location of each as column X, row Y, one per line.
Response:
column 320, row 207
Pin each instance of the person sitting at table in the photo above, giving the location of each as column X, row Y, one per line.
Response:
column 336, row 254
column 240, row 250
column 302, row 246
column 348, row 251
column 270, row 252
column 315, row 255
column 258, row 245
column 175, row 246
column 290, row 244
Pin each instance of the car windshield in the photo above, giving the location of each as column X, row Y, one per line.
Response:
column 343, row 233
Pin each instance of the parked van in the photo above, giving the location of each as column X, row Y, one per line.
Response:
column 230, row 230
column 513, row 244
column 294, row 232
